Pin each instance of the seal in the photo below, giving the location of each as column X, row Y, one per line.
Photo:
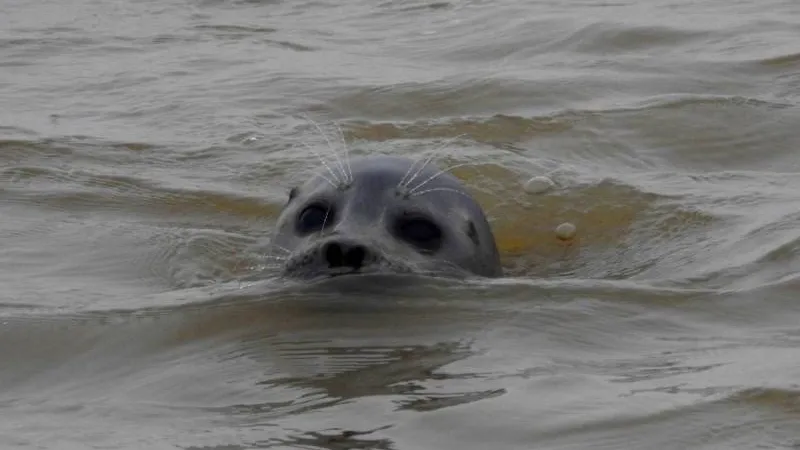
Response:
column 384, row 214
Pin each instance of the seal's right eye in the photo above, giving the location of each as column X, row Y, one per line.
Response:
column 314, row 217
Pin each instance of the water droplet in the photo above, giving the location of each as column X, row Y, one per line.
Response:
column 537, row 185
column 566, row 231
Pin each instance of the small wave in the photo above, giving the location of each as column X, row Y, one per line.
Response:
column 756, row 258
column 84, row 147
column 237, row 29
column 728, row 419
column 242, row 32
column 601, row 287
column 77, row 189
column 682, row 101
column 498, row 128
column 446, row 98
column 41, row 43
column 14, row 310
column 617, row 38
column 784, row 61
column 15, row 136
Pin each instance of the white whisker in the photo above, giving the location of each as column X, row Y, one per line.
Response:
column 281, row 248
column 330, row 146
column 346, row 152
column 406, row 180
column 275, row 258
column 270, row 256
column 333, row 183
column 325, row 220
column 436, row 175
column 270, row 266
column 433, row 154
column 442, row 189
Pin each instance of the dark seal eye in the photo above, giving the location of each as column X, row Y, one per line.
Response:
column 314, row 217
column 419, row 232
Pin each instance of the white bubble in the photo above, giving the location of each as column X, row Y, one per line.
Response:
column 566, row 231
column 537, row 185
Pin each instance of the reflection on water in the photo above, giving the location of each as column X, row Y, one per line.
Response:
column 146, row 151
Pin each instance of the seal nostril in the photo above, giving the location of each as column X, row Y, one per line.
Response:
column 343, row 255
column 355, row 257
column 334, row 255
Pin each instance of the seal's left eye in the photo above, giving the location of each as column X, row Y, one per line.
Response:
column 420, row 232
column 314, row 217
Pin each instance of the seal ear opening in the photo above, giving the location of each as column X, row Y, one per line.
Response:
column 472, row 233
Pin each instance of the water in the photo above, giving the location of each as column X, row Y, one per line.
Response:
column 146, row 149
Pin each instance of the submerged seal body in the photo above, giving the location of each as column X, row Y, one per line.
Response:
column 384, row 215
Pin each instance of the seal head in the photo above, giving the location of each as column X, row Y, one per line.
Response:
column 384, row 215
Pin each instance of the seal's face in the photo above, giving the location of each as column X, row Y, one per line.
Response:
column 379, row 217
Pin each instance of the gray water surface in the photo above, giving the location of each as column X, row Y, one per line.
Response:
column 146, row 149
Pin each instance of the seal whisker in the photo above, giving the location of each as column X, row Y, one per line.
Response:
column 404, row 182
column 436, row 175
column 330, row 146
column 270, row 256
column 273, row 262
column 346, row 152
column 325, row 220
column 434, row 153
column 442, row 189
column 272, row 266
column 401, row 183
column 276, row 261
column 333, row 183
column 275, row 258
column 281, row 248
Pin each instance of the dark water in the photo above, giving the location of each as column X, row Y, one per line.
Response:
column 146, row 148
